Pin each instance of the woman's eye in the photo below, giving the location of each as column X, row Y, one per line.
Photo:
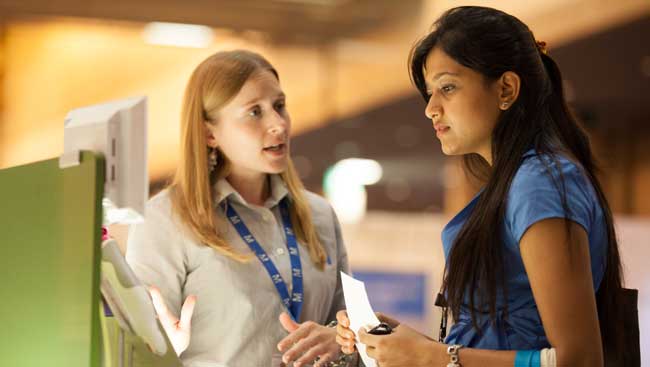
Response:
column 448, row 88
column 280, row 105
column 256, row 111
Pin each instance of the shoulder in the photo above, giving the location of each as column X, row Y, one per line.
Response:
column 159, row 212
column 159, row 206
column 543, row 171
column 549, row 186
column 323, row 217
column 157, row 234
column 161, row 201
column 318, row 204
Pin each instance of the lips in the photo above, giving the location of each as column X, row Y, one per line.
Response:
column 278, row 150
column 440, row 128
column 275, row 148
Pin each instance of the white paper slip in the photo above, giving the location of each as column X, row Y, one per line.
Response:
column 359, row 311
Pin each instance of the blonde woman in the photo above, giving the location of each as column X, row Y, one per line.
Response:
column 243, row 262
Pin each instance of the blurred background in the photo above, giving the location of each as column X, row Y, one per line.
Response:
column 359, row 132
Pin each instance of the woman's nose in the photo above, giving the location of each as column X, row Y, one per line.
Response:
column 279, row 125
column 432, row 110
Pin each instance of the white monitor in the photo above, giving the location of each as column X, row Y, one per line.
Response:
column 117, row 129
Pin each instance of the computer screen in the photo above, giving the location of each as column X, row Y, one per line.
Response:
column 117, row 129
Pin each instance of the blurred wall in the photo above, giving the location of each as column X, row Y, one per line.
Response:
column 53, row 65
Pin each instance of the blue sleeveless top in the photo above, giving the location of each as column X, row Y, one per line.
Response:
column 533, row 196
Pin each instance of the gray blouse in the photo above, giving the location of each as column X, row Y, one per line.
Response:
column 235, row 321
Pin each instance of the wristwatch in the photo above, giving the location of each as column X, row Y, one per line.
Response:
column 344, row 359
column 452, row 351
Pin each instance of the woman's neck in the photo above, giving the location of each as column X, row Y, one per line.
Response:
column 254, row 188
column 486, row 152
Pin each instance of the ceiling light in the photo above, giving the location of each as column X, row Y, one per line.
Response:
column 178, row 35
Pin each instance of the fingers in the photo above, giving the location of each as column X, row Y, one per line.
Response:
column 372, row 353
column 166, row 317
column 347, row 345
column 157, row 300
column 368, row 339
column 186, row 313
column 320, row 341
column 345, row 337
column 344, row 332
column 287, row 322
column 295, row 351
column 301, row 332
column 311, row 354
column 342, row 318
column 285, row 343
column 177, row 330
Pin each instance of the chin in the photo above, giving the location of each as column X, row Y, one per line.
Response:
column 447, row 150
column 454, row 149
column 277, row 168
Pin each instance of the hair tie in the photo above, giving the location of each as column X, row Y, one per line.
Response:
column 541, row 46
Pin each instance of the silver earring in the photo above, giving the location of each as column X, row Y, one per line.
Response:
column 504, row 105
column 212, row 159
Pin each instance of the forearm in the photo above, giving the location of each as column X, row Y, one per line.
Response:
column 469, row 357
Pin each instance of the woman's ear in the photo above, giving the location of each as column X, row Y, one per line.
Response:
column 509, row 85
column 209, row 134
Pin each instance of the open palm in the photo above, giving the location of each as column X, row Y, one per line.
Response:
column 178, row 330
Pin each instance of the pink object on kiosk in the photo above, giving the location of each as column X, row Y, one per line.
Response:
column 105, row 235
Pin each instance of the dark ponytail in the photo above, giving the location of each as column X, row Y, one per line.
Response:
column 609, row 312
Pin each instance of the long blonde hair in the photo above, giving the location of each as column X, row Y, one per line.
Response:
column 213, row 84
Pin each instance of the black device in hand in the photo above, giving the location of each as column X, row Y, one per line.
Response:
column 381, row 329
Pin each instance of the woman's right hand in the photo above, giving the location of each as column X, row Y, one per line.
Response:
column 345, row 337
column 178, row 330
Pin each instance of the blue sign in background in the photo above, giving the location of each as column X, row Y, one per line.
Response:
column 396, row 293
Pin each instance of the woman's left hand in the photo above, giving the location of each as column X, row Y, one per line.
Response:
column 306, row 342
column 403, row 347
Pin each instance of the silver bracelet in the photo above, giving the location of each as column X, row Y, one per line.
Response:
column 332, row 323
column 343, row 361
column 452, row 351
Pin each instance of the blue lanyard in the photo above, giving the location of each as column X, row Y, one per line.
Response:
column 292, row 302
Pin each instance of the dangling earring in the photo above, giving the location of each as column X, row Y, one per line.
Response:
column 212, row 159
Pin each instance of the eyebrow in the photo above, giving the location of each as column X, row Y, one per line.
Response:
column 439, row 75
column 256, row 99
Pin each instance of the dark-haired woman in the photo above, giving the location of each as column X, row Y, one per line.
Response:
column 532, row 261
